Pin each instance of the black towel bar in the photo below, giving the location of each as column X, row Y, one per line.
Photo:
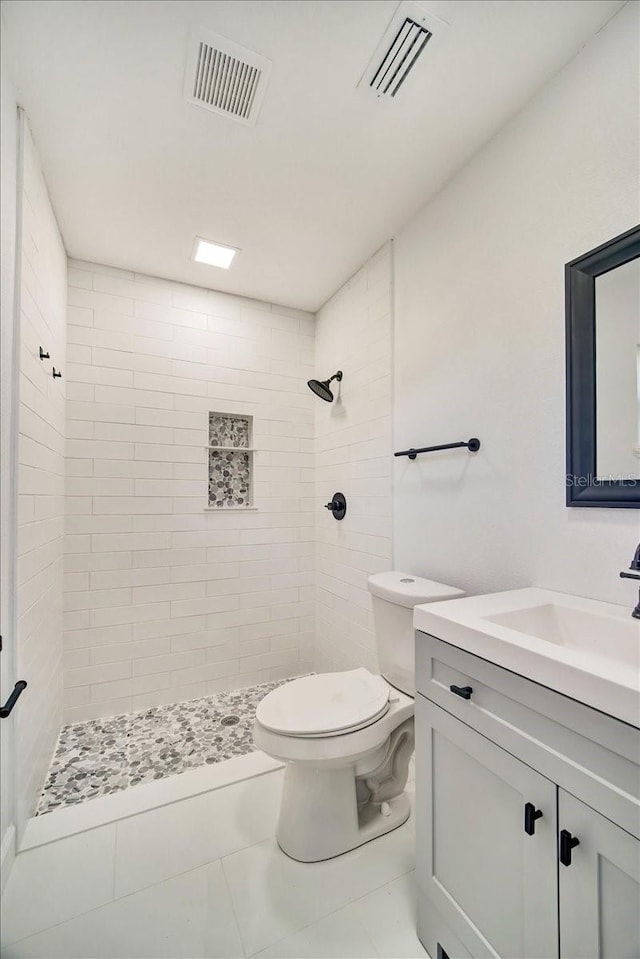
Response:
column 473, row 445
column 13, row 699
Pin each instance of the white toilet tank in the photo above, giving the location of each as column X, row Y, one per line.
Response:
column 394, row 596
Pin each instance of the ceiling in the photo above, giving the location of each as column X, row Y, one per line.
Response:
column 325, row 177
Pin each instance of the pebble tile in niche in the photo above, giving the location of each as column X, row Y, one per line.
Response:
column 104, row 756
column 229, row 478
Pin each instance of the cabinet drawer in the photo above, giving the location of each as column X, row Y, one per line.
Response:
column 586, row 752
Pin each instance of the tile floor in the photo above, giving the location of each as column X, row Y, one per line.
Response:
column 104, row 756
column 204, row 877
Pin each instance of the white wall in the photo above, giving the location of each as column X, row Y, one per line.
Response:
column 480, row 338
column 165, row 600
column 8, row 384
column 40, row 486
column 353, row 456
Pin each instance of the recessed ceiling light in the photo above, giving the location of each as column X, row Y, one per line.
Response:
column 214, row 254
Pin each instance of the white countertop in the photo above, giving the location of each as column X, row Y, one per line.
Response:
column 599, row 664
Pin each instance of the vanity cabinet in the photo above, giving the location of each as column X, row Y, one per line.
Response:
column 506, row 781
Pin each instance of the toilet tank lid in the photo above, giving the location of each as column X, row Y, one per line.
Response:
column 403, row 589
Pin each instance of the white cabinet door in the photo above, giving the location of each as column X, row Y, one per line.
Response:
column 494, row 884
column 600, row 888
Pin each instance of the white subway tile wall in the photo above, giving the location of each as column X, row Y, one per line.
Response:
column 167, row 600
column 43, row 293
column 353, row 456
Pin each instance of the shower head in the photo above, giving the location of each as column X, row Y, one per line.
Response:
column 321, row 387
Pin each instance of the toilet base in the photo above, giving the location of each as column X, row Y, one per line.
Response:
column 376, row 825
column 320, row 817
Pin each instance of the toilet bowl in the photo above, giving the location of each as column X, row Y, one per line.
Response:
column 347, row 737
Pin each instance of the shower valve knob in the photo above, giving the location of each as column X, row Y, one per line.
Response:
column 338, row 506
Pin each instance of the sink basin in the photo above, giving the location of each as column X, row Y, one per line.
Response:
column 606, row 636
column 582, row 648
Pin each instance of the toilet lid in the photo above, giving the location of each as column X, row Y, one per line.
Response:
column 325, row 704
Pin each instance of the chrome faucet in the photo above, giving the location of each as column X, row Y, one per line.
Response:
column 635, row 565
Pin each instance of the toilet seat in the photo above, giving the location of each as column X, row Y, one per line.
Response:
column 323, row 705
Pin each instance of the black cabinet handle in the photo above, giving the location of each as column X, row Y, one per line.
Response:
column 463, row 691
column 530, row 816
column 13, row 699
column 567, row 843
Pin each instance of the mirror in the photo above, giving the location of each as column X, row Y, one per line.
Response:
column 618, row 372
column 603, row 375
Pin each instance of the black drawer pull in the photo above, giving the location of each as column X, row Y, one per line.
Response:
column 530, row 816
column 13, row 699
column 567, row 843
column 463, row 691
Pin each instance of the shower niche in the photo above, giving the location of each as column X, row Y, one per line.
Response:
column 230, row 461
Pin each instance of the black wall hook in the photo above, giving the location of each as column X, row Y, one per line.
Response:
column 57, row 375
column 43, row 355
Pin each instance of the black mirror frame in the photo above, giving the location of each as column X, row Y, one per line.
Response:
column 582, row 484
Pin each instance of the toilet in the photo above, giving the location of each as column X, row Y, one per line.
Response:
column 347, row 737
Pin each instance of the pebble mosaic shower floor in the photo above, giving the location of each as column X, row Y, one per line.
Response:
column 104, row 756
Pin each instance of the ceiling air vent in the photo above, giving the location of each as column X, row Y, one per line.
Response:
column 404, row 41
column 224, row 77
